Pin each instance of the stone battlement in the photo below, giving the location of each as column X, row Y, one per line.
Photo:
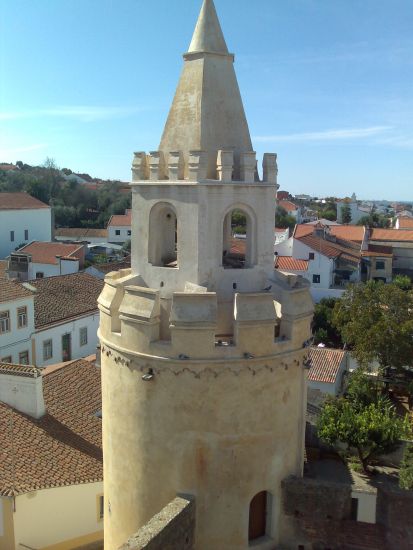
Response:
column 158, row 166
column 253, row 325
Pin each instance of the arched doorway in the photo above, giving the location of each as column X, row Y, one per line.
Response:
column 163, row 236
column 258, row 514
column 238, row 239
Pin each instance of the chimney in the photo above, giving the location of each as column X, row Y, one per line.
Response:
column 21, row 387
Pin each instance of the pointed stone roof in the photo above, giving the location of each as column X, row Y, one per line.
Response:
column 208, row 36
column 207, row 113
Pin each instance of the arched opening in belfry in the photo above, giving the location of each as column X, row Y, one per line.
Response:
column 237, row 251
column 163, row 236
column 259, row 514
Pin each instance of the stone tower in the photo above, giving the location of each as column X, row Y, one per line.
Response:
column 204, row 386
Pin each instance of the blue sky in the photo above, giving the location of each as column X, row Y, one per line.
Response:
column 327, row 84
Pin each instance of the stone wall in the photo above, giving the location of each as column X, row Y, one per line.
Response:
column 395, row 511
column 317, row 515
column 172, row 529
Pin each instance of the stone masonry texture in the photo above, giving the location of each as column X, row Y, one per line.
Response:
column 172, row 529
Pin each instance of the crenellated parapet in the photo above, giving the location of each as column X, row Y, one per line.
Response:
column 263, row 324
column 175, row 166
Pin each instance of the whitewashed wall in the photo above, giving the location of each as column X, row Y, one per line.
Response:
column 73, row 327
column 124, row 234
column 53, row 516
column 18, row 339
column 37, row 221
column 51, row 270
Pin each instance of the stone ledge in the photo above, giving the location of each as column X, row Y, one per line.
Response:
column 173, row 528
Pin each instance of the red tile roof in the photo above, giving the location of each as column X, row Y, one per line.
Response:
column 64, row 447
column 238, row 246
column 12, row 290
column 283, row 195
column 45, row 253
column 288, row 206
column 64, row 297
column 325, row 364
column 124, row 220
column 287, row 263
column 20, row 201
column 405, row 223
column 395, row 235
column 377, row 250
column 345, row 232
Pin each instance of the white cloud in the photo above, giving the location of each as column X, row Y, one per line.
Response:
column 326, row 135
column 85, row 113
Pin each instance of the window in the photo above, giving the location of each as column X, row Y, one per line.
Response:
column 26, row 234
column 12, row 236
column 22, row 317
column 83, row 336
column 7, row 359
column 129, row 232
column 24, row 358
column 163, row 236
column 311, row 256
column 117, row 231
column 4, row 321
column 316, row 279
column 238, row 248
column 257, row 527
column 39, row 274
column 47, row 349
column 380, row 264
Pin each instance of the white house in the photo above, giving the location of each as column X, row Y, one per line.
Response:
column 51, row 490
column 49, row 320
column 16, row 322
column 291, row 209
column 120, row 228
column 22, row 219
column 326, row 375
column 280, row 234
column 37, row 260
column 357, row 212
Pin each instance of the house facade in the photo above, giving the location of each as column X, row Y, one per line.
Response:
column 22, row 219
column 49, row 320
column 45, row 259
column 52, row 415
column 120, row 228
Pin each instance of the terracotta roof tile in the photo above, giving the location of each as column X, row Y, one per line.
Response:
column 123, row 220
column 396, row 235
column 345, row 232
column 20, row 201
column 64, row 297
column 288, row 206
column 27, row 371
column 287, row 263
column 405, row 223
column 12, row 290
column 114, row 266
column 64, row 447
column 325, row 364
column 45, row 252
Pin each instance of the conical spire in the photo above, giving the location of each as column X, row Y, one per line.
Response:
column 208, row 36
column 207, row 113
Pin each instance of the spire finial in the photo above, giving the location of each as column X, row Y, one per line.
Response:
column 208, row 36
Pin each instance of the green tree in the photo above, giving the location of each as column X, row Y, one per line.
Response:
column 374, row 220
column 376, row 320
column 372, row 430
column 283, row 219
column 403, row 281
column 323, row 329
column 346, row 213
column 406, row 468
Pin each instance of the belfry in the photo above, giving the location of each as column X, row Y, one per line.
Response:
column 203, row 376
